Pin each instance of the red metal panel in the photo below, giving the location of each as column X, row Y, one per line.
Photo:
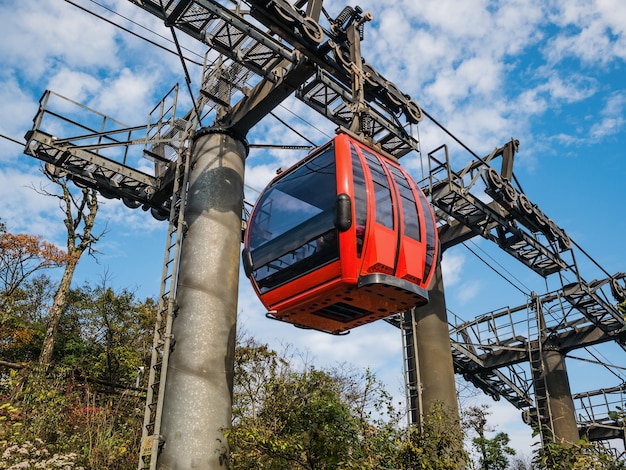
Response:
column 345, row 184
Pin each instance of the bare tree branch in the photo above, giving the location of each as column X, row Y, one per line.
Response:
column 78, row 213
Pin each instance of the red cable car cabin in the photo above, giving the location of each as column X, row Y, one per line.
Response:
column 343, row 238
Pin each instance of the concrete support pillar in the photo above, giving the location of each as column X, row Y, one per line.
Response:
column 198, row 392
column 434, row 352
column 560, row 403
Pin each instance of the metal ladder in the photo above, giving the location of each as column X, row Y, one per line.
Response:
column 538, row 374
column 151, row 439
column 411, row 369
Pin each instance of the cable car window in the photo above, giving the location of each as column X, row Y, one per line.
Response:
column 360, row 199
column 431, row 234
column 294, row 231
column 382, row 192
column 409, row 207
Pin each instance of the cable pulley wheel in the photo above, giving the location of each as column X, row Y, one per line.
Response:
column 128, row 202
column 342, row 57
column 158, row 214
column 286, row 12
column 107, row 194
column 525, row 205
column 413, row 112
column 311, row 30
column 373, row 80
column 540, row 217
column 494, row 180
column 617, row 290
column 564, row 242
column 81, row 183
column 509, row 192
column 395, row 96
column 553, row 230
column 54, row 171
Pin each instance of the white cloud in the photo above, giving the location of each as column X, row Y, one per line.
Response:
column 24, row 210
column 454, row 19
column 356, row 348
column 612, row 117
column 43, row 34
column 452, row 267
column 531, row 102
column 571, row 89
column 77, row 86
column 258, row 176
column 593, row 33
column 468, row 290
column 127, row 96
column 18, row 110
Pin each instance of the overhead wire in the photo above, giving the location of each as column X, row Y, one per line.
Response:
column 11, row 139
column 474, row 154
column 113, row 23
column 305, row 121
column 456, row 139
column 179, row 53
column 313, row 144
column 600, row 363
column 509, row 277
column 606, row 366
column 495, row 270
column 509, row 273
column 282, row 147
column 283, row 122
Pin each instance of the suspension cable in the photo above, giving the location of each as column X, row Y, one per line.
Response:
column 111, row 22
column 495, row 270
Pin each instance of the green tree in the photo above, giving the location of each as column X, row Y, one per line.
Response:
column 307, row 418
column 107, row 334
column 492, row 451
column 21, row 332
column 438, row 445
column 86, row 405
column 21, row 257
column 255, row 366
column 61, row 419
column 302, row 423
column 584, row 455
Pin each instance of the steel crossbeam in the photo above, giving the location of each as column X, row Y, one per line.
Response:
column 332, row 99
column 318, row 73
column 494, row 225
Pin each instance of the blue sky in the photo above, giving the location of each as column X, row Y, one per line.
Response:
column 549, row 73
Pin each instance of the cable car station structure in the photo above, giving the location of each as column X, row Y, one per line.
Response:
column 261, row 52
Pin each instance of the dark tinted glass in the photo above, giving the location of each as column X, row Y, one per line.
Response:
column 292, row 231
column 430, row 235
column 409, row 208
column 360, row 199
column 382, row 193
